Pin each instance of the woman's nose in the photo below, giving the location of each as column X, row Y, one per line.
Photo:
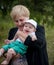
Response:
column 27, row 28
column 19, row 23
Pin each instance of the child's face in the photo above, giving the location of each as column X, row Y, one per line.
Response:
column 28, row 28
column 19, row 21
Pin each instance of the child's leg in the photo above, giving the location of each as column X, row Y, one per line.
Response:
column 10, row 54
column 1, row 51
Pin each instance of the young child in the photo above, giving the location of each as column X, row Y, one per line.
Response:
column 17, row 45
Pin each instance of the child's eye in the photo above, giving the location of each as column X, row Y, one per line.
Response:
column 25, row 25
column 30, row 27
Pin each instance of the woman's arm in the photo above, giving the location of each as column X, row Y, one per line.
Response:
column 11, row 35
column 40, row 42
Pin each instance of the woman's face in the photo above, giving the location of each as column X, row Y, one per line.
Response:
column 20, row 21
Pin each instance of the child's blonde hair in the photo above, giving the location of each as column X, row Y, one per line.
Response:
column 19, row 10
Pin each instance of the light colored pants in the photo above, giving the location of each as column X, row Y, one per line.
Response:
column 19, row 61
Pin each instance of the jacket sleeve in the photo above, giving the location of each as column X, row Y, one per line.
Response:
column 40, row 42
column 12, row 33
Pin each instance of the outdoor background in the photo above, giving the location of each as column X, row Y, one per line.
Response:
column 41, row 10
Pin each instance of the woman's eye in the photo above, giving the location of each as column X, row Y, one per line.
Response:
column 21, row 19
column 16, row 21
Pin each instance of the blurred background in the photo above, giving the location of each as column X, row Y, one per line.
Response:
column 41, row 10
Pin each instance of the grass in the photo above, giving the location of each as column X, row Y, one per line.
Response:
column 50, row 44
column 7, row 24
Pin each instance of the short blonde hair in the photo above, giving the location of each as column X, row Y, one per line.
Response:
column 19, row 10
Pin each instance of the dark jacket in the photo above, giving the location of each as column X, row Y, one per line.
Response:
column 37, row 51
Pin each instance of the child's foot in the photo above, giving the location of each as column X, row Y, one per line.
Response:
column 5, row 62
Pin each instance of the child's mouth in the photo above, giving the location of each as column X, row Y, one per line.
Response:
column 27, row 31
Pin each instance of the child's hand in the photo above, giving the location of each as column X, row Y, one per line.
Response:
column 33, row 36
column 6, row 41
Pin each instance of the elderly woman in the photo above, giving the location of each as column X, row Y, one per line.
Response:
column 36, row 52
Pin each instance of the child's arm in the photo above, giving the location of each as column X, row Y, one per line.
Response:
column 21, row 35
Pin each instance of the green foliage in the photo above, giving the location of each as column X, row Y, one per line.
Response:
column 45, row 9
column 5, row 25
column 5, row 6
